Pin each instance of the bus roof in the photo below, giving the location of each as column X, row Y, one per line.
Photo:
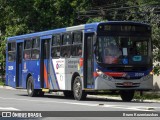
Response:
column 89, row 26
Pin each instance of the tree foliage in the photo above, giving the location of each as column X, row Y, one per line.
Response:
column 27, row 16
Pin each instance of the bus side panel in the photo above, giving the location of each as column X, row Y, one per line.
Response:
column 62, row 71
column 59, row 68
column 71, row 66
column 53, row 80
column 11, row 70
column 33, row 68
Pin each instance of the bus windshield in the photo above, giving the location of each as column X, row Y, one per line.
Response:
column 122, row 50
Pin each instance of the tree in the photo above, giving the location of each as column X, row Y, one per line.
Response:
column 27, row 16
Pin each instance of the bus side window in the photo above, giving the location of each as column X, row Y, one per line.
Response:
column 56, row 42
column 77, row 44
column 27, row 49
column 66, row 45
column 35, row 48
column 11, row 51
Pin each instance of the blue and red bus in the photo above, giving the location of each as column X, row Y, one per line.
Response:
column 112, row 56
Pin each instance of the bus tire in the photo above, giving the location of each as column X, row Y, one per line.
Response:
column 30, row 87
column 127, row 95
column 78, row 93
column 68, row 94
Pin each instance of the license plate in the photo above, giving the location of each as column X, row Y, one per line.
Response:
column 127, row 84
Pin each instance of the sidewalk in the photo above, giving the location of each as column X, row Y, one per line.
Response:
column 91, row 96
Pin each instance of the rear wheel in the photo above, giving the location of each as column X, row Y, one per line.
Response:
column 127, row 95
column 78, row 93
column 30, row 87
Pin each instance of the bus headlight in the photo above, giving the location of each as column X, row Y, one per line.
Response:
column 102, row 75
column 99, row 72
column 151, row 73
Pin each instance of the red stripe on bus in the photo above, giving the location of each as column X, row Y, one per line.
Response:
column 95, row 74
column 113, row 74
column 46, row 76
column 81, row 62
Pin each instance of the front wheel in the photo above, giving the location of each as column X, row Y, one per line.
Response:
column 78, row 93
column 127, row 95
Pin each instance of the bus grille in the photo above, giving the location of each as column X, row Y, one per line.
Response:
column 122, row 86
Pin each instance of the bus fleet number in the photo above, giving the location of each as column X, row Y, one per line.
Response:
column 139, row 74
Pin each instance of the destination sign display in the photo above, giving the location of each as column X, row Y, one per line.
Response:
column 123, row 28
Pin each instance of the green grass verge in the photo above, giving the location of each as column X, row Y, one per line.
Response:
column 1, row 82
column 147, row 95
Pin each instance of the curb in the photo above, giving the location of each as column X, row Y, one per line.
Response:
column 7, row 87
column 119, row 98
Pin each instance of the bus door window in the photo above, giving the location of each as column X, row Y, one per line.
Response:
column 11, row 51
column 27, row 49
column 19, row 53
column 46, row 49
column 56, row 42
column 36, row 48
column 77, row 44
column 66, row 45
column 88, row 59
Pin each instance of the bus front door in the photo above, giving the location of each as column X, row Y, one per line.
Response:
column 19, row 64
column 45, row 55
column 88, row 60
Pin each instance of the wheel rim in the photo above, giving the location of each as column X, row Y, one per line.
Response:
column 77, row 89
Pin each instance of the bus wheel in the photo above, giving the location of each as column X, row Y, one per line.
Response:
column 68, row 94
column 30, row 87
column 78, row 93
column 127, row 95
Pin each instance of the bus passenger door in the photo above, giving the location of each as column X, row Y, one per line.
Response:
column 88, row 60
column 44, row 62
column 19, row 64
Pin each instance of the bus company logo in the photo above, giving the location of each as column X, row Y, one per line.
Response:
column 59, row 66
column 124, row 75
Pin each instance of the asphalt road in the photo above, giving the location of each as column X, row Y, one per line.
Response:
column 17, row 100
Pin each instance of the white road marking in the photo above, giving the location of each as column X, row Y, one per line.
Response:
column 8, row 108
column 137, row 108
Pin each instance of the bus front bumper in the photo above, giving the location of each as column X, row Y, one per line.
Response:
column 109, row 83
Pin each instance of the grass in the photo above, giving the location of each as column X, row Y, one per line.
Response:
column 147, row 95
column 1, row 82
